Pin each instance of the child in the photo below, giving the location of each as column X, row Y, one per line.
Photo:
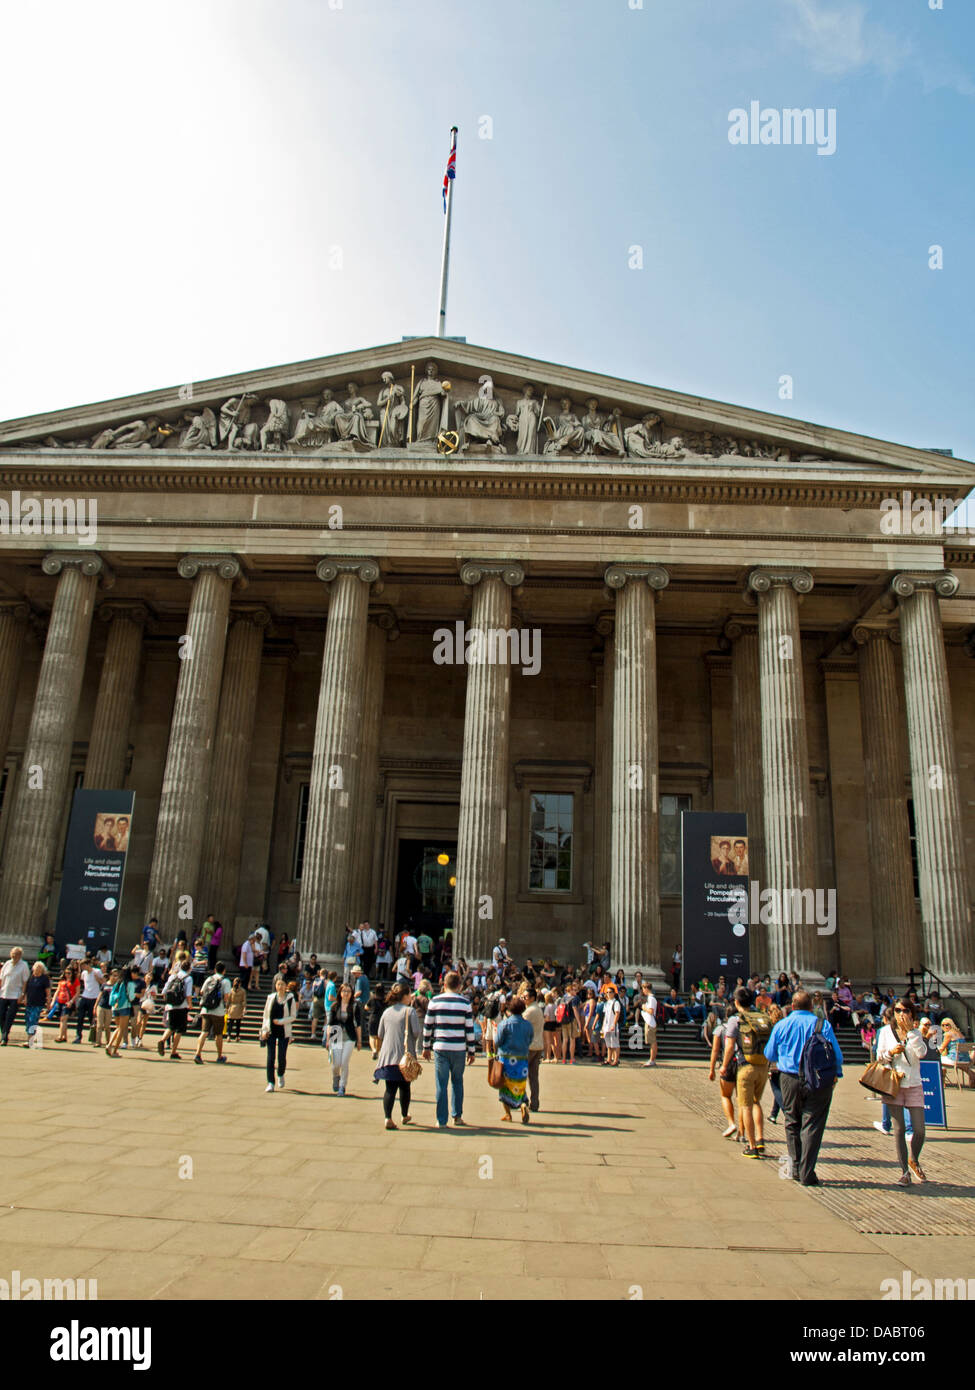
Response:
column 550, row 1029
column 868, row 1035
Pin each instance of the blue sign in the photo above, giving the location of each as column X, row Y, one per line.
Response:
column 933, row 1083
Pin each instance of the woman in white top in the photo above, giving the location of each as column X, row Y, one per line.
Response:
column 280, row 1009
column 902, row 1048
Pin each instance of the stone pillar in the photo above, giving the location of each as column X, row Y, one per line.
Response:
column 946, row 925
column 897, row 947
column 635, row 853
column 746, row 727
column 108, row 742
column 326, row 873
column 183, row 802
column 482, row 826
column 37, row 814
column 787, row 814
column 382, row 630
column 13, row 634
column 602, row 927
column 224, row 833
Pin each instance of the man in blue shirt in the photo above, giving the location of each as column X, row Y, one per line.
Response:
column 805, row 1110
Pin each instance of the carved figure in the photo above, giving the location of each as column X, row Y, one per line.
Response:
column 426, row 398
column 525, row 421
column 355, row 420
column 483, row 416
column 277, row 427
column 392, row 410
column 566, row 435
column 317, row 427
column 236, row 426
column 601, row 438
column 140, row 434
column 202, row 430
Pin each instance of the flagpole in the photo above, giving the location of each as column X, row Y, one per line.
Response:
column 442, row 317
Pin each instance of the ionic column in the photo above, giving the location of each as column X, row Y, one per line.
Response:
column 895, row 936
column 602, row 923
column 13, row 634
column 382, row 630
column 108, row 743
column 45, row 774
column 482, row 825
column 326, row 873
column 787, row 814
column 746, row 721
column 224, row 833
column 946, row 927
column 183, row 802
column 635, row 855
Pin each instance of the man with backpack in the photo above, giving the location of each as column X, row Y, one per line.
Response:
column 213, row 1006
column 746, row 1035
column 805, row 1050
column 176, row 995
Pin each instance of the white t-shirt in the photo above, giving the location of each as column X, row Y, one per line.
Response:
column 246, row 954
column 649, row 1011
column 368, row 938
column 13, row 979
column 611, row 1015
column 93, row 981
column 410, row 946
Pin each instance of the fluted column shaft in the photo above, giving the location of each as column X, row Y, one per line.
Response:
column 13, row 636
column 635, row 851
column 746, row 714
column 326, row 871
column 224, row 833
column 602, row 922
column 939, row 833
column 788, row 828
column 895, row 937
column 108, row 743
column 482, row 824
column 364, row 832
column 45, row 774
column 183, row 803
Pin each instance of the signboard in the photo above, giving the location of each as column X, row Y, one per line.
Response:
column 94, row 868
column 714, row 908
column 933, row 1083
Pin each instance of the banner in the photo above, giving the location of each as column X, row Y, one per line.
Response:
column 714, row 908
column 933, row 1085
column 94, row 868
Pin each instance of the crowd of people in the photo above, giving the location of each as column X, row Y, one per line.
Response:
column 407, row 1000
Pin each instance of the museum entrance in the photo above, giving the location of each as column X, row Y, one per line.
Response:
column 426, row 876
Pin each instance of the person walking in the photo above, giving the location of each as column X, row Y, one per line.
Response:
column 399, row 1031
column 377, row 1008
column 176, row 995
column 536, row 1017
column 774, row 1014
column 351, row 954
column 569, row 1023
column 901, row 1047
column 514, row 1041
column 551, row 1030
column 370, row 940
column 92, row 983
column 103, row 1009
column 800, row 1045
column 280, row 1009
column 13, row 987
column 344, row 1035
column 448, row 1038
column 66, row 997
column 727, row 1079
column 611, row 1026
column 236, row 1005
column 213, row 1007
column 121, row 1001
column 37, row 996
column 648, row 1013
column 745, row 1036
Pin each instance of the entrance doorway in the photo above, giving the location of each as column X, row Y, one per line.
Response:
column 426, row 876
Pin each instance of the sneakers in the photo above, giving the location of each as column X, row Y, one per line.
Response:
column 221, row 1059
column 459, row 1121
column 335, row 1083
column 760, row 1147
column 649, row 1064
column 407, row 1119
column 879, row 1125
column 198, row 1060
column 76, row 1041
column 269, row 1087
column 750, row 1153
column 916, row 1169
column 341, row 1089
column 904, row 1180
column 161, row 1048
column 388, row 1124
column 731, row 1130
column 280, row 1083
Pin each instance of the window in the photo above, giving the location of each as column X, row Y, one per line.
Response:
column 913, row 830
column 669, row 827
column 550, row 841
column 303, row 791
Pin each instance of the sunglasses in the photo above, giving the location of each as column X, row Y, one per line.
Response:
column 902, row 1011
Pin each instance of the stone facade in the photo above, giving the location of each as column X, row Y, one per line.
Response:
column 707, row 594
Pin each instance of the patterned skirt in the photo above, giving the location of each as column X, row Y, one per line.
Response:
column 512, row 1090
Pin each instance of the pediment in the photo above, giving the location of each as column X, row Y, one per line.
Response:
column 475, row 404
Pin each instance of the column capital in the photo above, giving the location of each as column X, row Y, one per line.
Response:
column 331, row 567
column 943, row 582
column 761, row 580
column 616, row 575
column 254, row 613
column 740, row 625
column 14, row 608
column 131, row 610
column 385, row 619
column 511, row 571
column 88, row 563
column 862, row 634
column 226, row 566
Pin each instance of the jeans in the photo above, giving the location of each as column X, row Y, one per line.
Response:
column 281, row 1044
column 8, row 1012
column 32, row 1014
column 449, row 1065
column 341, row 1057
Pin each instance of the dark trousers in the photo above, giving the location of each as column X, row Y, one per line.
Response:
column 805, row 1121
column 773, row 1081
column 86, row 1014
column 212, row 957
column 402, row 1088
column 281, row 1044
column 233, row 1028
column 534, row 1059
column 8, row 1012
column 368, row 961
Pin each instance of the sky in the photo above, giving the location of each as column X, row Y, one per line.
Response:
column 200, row 187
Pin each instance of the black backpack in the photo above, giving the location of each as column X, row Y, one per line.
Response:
column 493, row 1006
column 174, row 991
column 213, row 997
column 817, row 1065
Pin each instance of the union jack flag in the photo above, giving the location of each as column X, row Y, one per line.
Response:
column 450, row 173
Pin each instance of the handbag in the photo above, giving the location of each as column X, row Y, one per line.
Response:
column 495, row 1073
column 883, row 1080
column 409, row 1065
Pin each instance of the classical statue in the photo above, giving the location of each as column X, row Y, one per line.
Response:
column 140, row 434
column 483, row 416
column 643, row 439
column 317, row 427
column 236, row 426
column 526, row 420
column 355, row 421
column 427, row 398
column 277, row 427
column 601, row 436
column 392, row 410
column 566, row 435
column 201, row 431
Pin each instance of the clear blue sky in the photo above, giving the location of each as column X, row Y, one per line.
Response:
column 177, row 172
